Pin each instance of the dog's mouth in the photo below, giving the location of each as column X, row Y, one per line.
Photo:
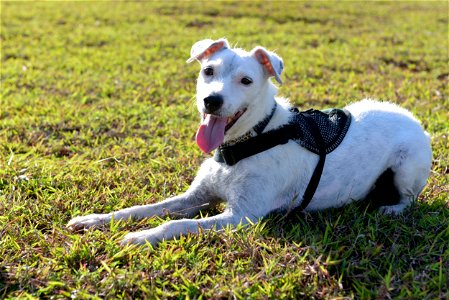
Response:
column 212, row 129
column 233, row 119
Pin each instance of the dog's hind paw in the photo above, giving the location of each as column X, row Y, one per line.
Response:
column 393, row 210
column 84, row 222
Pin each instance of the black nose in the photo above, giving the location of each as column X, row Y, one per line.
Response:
column 213, row 103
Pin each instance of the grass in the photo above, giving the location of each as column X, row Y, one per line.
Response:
column 97, row 114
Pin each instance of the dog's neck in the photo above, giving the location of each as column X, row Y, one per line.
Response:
column 256, row 114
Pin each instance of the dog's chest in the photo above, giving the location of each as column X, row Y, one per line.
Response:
column 272, row 172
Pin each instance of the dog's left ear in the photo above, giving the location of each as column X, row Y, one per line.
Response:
column 272, row 63
column 205, row 48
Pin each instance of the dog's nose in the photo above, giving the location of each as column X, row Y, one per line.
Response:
column 213, row 103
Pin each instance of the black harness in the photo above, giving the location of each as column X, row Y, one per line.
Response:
column 318, row 131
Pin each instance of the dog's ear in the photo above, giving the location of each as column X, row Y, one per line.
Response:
column 271, row 62
column 205, row 48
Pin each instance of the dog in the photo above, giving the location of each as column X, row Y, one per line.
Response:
column 235, row 94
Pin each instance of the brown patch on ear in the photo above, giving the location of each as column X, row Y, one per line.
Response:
column 265, row 61
column 211, row 50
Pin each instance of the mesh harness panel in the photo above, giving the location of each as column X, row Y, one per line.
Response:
column 332, row 125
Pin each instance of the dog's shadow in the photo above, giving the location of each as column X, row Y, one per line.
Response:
column 357, row 231
column 346, row 224
column 358, row 214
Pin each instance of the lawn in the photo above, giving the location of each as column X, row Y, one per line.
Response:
column 97, row 113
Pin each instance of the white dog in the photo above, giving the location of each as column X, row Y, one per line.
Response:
column 234, row 96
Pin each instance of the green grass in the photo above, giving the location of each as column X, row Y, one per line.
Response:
column 97, row 114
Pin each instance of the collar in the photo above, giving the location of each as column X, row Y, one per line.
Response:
column 255, row 131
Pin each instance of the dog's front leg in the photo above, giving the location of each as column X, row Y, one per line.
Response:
column 185, row 205
column 176, row 228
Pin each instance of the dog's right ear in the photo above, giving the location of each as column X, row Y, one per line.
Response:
column 205, row 48
column 270, row 61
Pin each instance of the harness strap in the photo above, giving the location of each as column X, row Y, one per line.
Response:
column 260, row 127
column 315, row 179
column 232, row 154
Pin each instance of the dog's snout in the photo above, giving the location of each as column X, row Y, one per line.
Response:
column 213, row 103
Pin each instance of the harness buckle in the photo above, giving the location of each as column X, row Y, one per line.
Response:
column 227, row 156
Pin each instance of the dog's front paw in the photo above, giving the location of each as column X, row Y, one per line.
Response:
column 84, row 222
column 142, row 237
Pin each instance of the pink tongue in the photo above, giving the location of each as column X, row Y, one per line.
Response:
column 210, row 135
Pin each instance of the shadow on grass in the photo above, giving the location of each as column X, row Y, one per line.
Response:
column 6, row 284
column 373, row 254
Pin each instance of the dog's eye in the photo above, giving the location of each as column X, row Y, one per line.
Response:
column 209, row 71
column 246, row 81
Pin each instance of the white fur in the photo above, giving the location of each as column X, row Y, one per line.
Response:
column 382, row 135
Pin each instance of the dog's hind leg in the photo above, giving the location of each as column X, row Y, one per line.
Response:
column 411, row 170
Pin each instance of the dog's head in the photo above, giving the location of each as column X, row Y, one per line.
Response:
column 231, row 86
